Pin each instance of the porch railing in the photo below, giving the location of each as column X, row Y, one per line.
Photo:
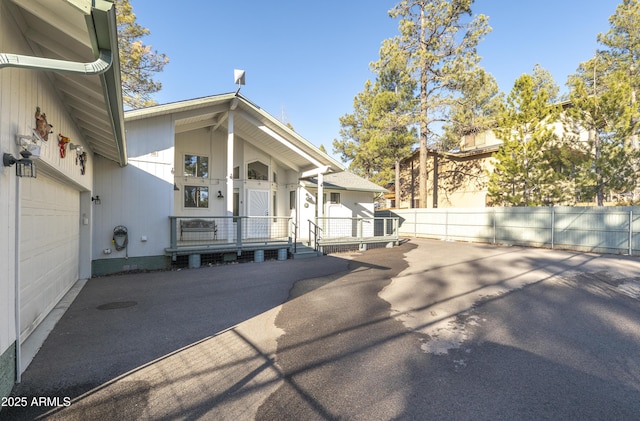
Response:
column 356, row 230
column 229, row 231
column 315, row 233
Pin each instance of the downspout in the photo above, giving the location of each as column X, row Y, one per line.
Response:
column 16, row 271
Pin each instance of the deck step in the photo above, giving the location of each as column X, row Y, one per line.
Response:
column 305, row 252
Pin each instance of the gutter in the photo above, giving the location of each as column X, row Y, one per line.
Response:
column 98, row 67
column 103, row 31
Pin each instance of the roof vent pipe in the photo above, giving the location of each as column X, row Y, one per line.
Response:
column 101, row 65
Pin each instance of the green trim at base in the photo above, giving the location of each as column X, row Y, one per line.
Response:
column 103, row 267
column 7, row 370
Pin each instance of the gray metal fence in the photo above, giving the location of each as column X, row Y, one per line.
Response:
column 594, row 229
column 333, row 231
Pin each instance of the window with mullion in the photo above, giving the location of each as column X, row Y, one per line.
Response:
column 196, row 166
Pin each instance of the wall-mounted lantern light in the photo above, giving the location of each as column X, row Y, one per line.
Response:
column 220, row 196
column 25, row 167
column 96, row 200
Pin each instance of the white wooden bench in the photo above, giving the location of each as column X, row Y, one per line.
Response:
column 198, row 225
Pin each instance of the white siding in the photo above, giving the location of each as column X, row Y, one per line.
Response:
column 21, row 91
column 136, row 199
column 49, row 247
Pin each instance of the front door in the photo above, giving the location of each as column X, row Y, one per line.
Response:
column 258, row 206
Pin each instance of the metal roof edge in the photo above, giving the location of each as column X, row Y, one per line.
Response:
column 336, row 166
column 177, row 106
column 103, row 31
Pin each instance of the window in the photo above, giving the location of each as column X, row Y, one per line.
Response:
column 335, row 197
column 196, row 197
column 275, row 177
column 275, row 207
column 257, row 171
column 196, row 166
column 236, row 173
column 236, row 204
column 292, row 199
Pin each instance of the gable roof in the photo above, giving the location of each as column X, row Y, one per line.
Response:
column 251, row 123
column 73, row 32
column 345, row 180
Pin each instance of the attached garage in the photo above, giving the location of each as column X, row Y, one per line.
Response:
column 49, row 247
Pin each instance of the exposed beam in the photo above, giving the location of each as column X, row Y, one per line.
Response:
column 181, row 128
column 282, row 140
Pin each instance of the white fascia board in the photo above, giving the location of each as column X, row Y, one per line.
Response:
column 316, row 171
column 282, row 140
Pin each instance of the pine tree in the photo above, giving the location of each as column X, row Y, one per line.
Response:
column 377, row 135
column 526, row 169
column 138, row 62
column 475, row 110
column 441, row 38
column 610, row 117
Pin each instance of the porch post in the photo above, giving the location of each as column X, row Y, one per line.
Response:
column 320, row 204
column 229, row 176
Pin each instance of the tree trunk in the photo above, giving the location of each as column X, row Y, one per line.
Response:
column 397, row 183
column 424, row 108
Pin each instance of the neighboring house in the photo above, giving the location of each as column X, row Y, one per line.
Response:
column 46, row 222
column 214, row 159
column 462, row 175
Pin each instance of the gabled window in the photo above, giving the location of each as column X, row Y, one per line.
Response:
column 257, row 171
column 196, row 166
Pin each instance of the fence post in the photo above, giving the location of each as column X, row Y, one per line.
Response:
column 174, row 232
column 239, row 232
column 494, row 225
column 553, row 225
column 446, row 225
column 631, row 233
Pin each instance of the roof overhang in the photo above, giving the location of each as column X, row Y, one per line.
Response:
column 344, row 180
column 251, row 123
column 80, row 31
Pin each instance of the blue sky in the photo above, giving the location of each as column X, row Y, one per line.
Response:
column 305, row 61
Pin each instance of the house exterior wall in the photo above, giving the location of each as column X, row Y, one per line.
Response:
column 21, row 91
column 139, row 196
column 213, row 145
column 462, row 182
column 353, row 204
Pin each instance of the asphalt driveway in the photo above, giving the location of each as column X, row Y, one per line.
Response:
column 427, row 330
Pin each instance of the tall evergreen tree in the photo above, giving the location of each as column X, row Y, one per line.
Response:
column 526, row 172
column 441, row 38
column 603, row 96
column 138, row 62
column 377, row 135
column 475, row 110
column 542, row 79
column 605, row 109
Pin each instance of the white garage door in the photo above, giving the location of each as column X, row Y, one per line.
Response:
column 49, row 247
